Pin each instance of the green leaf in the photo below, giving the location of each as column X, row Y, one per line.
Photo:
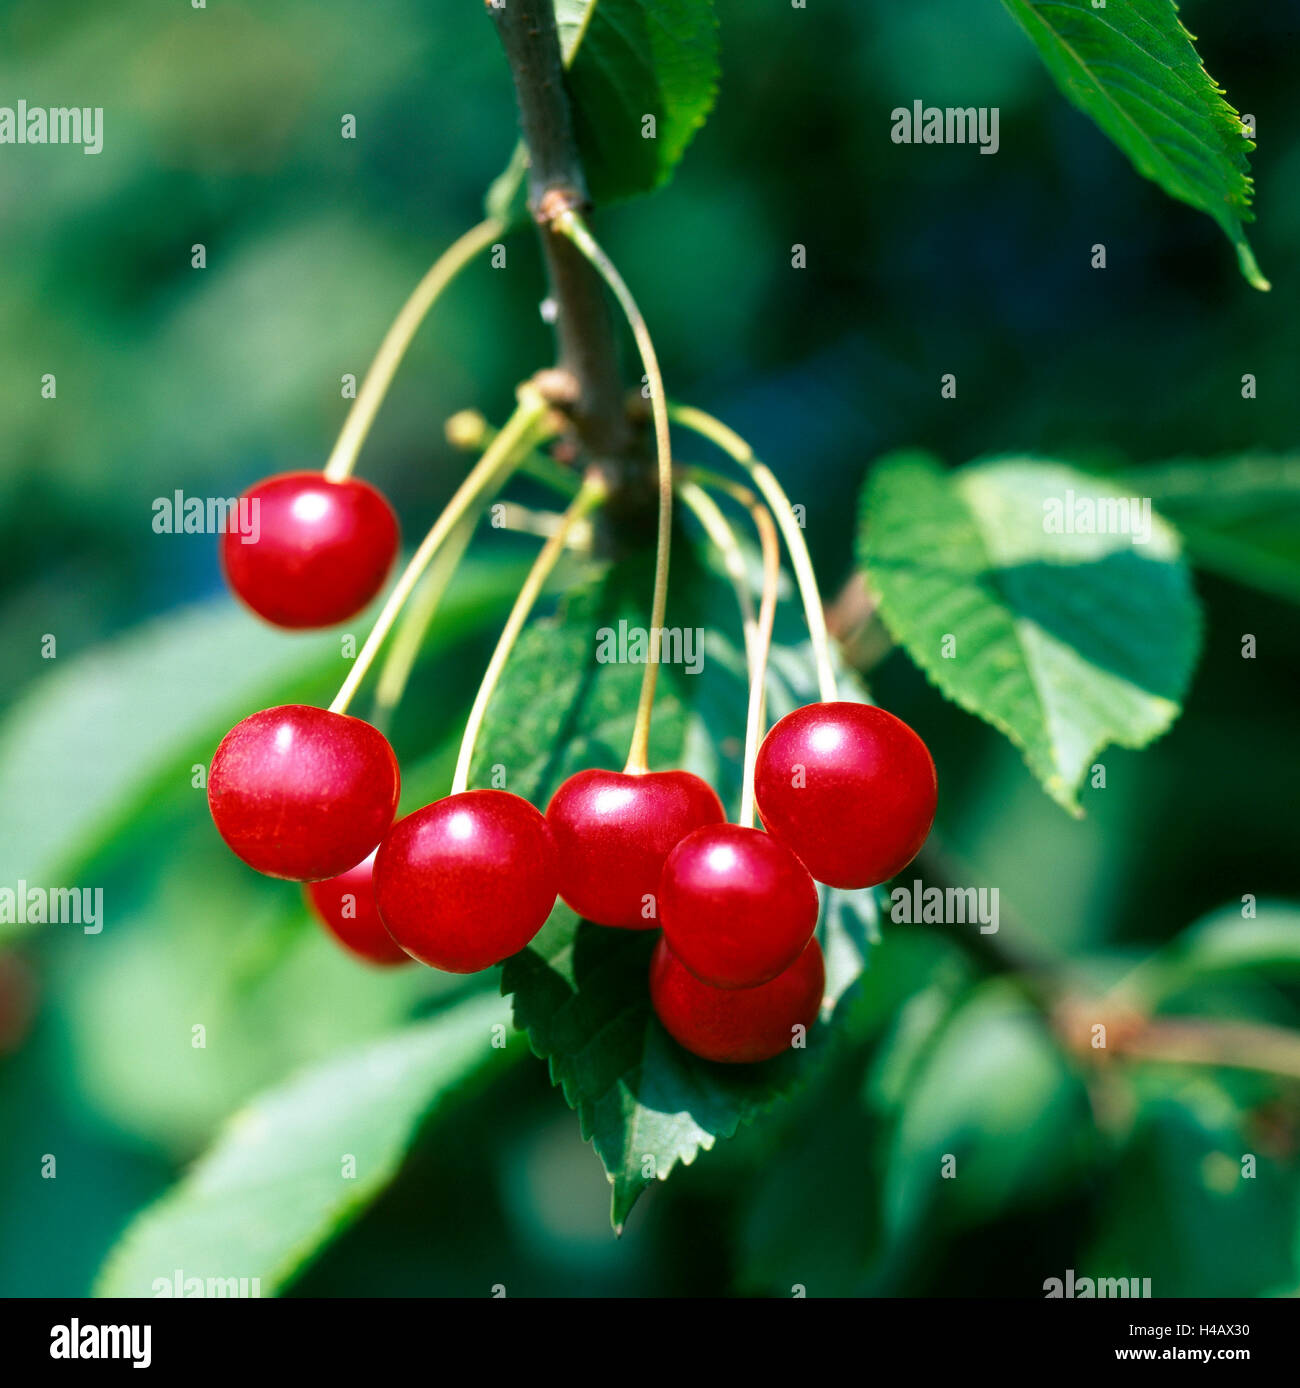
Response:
column 1063, row 641
column 1180, row 1209
column 1227, row 941
column 995, row 1094
column 1134, row 69
column 242, row 958
column 1224, row 943
column 274, row 1187
column 1239, row 517
column 103, row 734
column 580, row 990
column 115, row 720
column 628, row 60
column 815, row 1232
column 644, row 1103
column 849, row 930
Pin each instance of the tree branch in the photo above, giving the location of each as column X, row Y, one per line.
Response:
column 587, row 346
column 1209, row 1041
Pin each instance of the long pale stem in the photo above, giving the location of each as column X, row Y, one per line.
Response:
column 761, row 646
column 471, row 433
column 496, row 464
column 590, row 495
column 570, row 224
column 395, row 672
column 774, row 494
column 723, row 538
column 398, row 338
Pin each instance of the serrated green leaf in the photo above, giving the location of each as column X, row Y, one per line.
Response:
column 644, row 1103
column 1134, row 69
column 274, row 1188
column 581, row 991
column 1064, row 641
column 558, row 708
column 628, row 61
column 1239, row 517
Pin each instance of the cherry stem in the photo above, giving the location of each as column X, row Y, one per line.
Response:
column 521, row 432
column 398, row 338
column 774, row 494
column 395, row 672
column 468, row 431
column 568, row 223
column 525, row 521
column 761, row 645
column 723, row 538
column 590, row 495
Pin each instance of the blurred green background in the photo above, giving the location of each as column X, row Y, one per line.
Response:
column 222, row 127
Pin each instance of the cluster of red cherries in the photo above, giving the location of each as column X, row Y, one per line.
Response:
column 846, row 791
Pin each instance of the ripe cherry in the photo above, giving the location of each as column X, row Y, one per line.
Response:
column 849, row 788
column 736, row 906
column 303, row 793
column 736, row 1025
column 321, row 553
column 345, row 906
column 613, row 832
column 467, row 881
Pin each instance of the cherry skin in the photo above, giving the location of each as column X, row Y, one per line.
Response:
column 322, row 552
column 849, row 788
column 467, row 881
column 736, row 1025
column 736, row 906
column 303, row 793
column 613, row 832
column 345, row 906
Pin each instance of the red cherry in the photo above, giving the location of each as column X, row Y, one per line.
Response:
column 736, row 1025
column 345, row 906
column 613, row 832
column 736, row 906
column 303, row 793
column 322, row 549
column 849, row 788
column 467, row 881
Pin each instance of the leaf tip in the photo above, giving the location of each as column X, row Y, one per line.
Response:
column 1250, row 267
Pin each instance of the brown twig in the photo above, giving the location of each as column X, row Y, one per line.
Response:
column 1131, row 1034
column 1207, row 1041
column 587, row 346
